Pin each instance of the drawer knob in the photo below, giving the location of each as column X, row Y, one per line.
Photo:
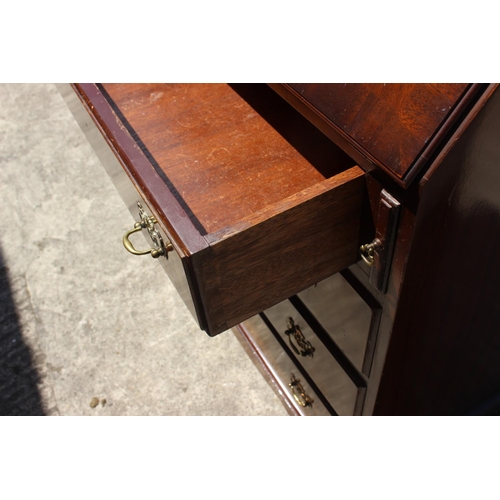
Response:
column 299, row 393
column 368, row 250
column 147, row 222
column 305, row 347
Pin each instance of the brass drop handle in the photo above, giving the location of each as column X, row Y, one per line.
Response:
column 155, row 252
column 368, row 250
column 299, row 394
column 128, row 244
column 305, row 347
column 147, row 222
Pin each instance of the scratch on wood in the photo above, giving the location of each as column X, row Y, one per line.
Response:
column 155, row 96
column 180, row 123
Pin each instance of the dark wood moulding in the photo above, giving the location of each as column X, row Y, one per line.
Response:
column 257, row 203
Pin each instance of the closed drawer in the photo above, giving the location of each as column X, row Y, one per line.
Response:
column 254, row 204
column 301, row 342
column 279, row 369
column 348, row 318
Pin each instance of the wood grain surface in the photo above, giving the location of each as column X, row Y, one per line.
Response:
column 284, row 249
column 396, row 127
column 220, row 157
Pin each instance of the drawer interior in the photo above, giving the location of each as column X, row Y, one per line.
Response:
column 226, row 152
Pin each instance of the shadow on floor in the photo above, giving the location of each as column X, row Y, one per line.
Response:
column 19, row 393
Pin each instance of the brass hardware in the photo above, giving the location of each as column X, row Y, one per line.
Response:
column 128, row 244
column 368, row 251
column 386, row 227
column 306, row 348
column 147, row 222
column 299, row 393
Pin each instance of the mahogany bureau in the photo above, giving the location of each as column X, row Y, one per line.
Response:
column 348, row 233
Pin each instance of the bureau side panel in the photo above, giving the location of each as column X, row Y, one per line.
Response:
column 444, row 353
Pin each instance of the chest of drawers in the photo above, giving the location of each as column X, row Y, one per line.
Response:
column 256, row 200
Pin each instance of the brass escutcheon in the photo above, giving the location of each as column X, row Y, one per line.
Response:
column 299, row 393
column 147, row 222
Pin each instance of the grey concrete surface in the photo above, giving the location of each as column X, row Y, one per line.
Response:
column 80, row 318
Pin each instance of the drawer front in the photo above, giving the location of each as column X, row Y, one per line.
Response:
column 175, row 265
column 308, row 350
column 347, row 318
column 177, row 268
column 279, row 369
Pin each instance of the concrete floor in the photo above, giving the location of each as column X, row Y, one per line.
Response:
column 85, row 327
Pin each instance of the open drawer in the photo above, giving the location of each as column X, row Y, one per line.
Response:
column 251, row 202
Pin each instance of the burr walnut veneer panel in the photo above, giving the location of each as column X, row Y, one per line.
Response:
column 396, row 127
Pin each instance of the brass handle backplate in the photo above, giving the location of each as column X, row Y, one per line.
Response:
column 299, row 393
column 147, row 222
column 305, row 347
